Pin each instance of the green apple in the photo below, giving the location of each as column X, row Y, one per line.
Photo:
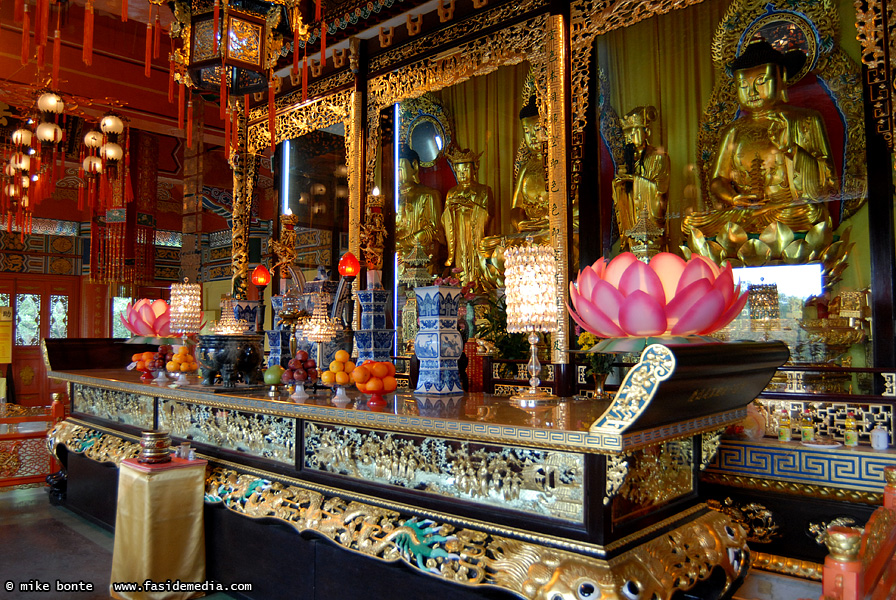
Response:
column 272, row 375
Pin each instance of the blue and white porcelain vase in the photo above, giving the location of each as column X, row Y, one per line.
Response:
column 438, row 344
column 374, row 341
column 246, row 310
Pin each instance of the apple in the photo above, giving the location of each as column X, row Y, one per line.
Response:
column 310, row 364
column 312, row 374
column 295, row 363
column 300, row 375
column 273, row 375
column 302, row 355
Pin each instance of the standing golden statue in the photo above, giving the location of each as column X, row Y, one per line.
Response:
column 468, row 209
column 419, row 208
column 773, row 163
column 640, row 186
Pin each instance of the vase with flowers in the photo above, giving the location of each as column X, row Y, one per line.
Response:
column 597, row 364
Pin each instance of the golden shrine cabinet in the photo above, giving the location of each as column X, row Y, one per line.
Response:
column 433, row 137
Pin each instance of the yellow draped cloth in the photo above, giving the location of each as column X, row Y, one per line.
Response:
column 159, row 532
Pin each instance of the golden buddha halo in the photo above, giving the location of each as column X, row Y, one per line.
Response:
column 186, row 307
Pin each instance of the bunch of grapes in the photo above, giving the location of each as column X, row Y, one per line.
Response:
column 300, row 369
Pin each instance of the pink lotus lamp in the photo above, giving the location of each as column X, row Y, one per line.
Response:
column 147, row 318
column 628, row 302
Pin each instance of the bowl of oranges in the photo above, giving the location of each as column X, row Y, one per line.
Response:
column 375, row 378
column 339, row 376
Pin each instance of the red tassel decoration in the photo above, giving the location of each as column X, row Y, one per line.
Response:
column 124, row 11
column 272, row 117
column 128, row 189
column 41, row 37
column 57, row 48
column 19, row 12
column 87, row 53
column 223, row 93
column 157, row 36
column 246, row 109
column 295, row 52
column 180, row 106
column 305, row 76
column 216, row 30
column 323, row 44
column 148, row 62
column 317, row 10
column 170, row 81
column 190, row 123
column 26, row 36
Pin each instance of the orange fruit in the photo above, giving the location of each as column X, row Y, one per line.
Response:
column 349, row 367
column 391, row 367
column 328, row 377
column 389, row 384
column 374, row 384
column 362, row 387
column 380, row 369
column 148, row 356
column 185, row 366
column 171, row 366
column 177, row 359
column 141, row 365
column 342, row 378
column 342, row 356
column 337, row 366
column 360, row 374
column 183, row 350
column 136, row 357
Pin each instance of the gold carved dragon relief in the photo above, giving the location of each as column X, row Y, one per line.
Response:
column 677, row 560
column 92, row 443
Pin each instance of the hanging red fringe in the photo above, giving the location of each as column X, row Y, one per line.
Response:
column 128, row 188
column 170, row 81
column 19, row 12
column 223, row 93
column 317, row 9
column 157, row 36
column 148, row 62
column 295, row 52
column 57, row 48
column 124, row 11
column 323, row 44
column 190, row 123
column 26, row 36
column 87, row 53
column 305, row 75
column 41, row 33
column 215, row 30
column 180, row 106
column 272, row 117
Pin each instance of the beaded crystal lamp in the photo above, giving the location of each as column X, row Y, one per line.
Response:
column 186, row 307
column 320, row 328
column 530, row 278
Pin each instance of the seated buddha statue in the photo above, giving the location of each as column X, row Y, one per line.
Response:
column 641, row 183
column 468, row 209
column 773, row 164
column 419, row 208
column 529, row 206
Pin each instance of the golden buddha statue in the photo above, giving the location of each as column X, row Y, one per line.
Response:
column 640, row 184
column 774, row 162
column 468, row 208
column 529, row 206
column 419, row 208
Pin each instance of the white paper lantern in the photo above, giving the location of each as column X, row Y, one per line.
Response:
column 112, row 124
column 48, row 132
column 21, row 137
column 111, row 151
column 93, row 139
column 50, row 103
column 93, row 165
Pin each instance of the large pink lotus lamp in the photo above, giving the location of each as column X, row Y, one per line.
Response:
column 147, row 319
column 629, row 302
